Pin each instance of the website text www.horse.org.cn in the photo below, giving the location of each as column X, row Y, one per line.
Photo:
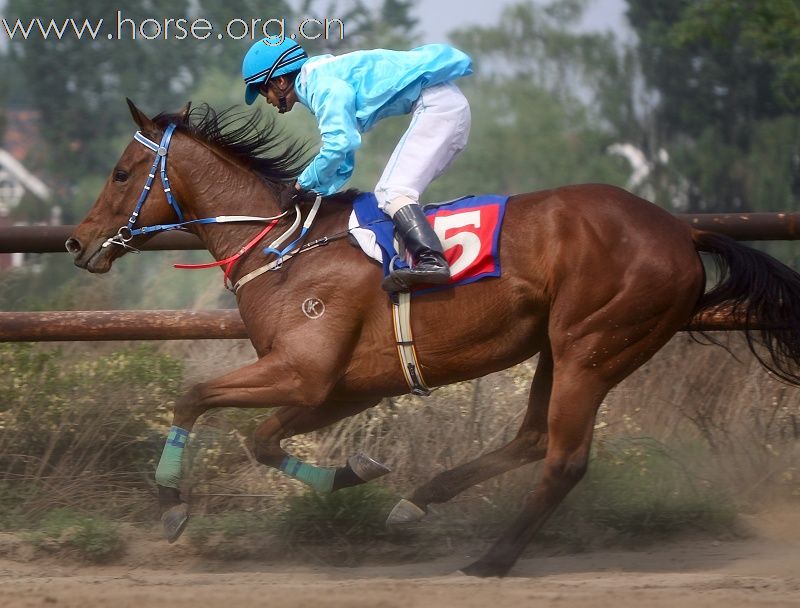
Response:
column 273, row 30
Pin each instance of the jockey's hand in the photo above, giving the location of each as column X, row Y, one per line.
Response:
column 295, row 195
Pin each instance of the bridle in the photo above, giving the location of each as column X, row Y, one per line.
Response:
column 126, row 233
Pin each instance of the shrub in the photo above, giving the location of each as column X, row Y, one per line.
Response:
column 638, row 491
column 351, row 514
column 93, row 539
column 82, row 428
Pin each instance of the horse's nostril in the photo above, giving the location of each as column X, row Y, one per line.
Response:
column 73, row 246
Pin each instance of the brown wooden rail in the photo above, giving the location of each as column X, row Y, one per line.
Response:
column 741, row 226
column 217, row 324
column 98, row 325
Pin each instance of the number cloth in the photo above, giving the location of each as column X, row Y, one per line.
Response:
column 468, row 227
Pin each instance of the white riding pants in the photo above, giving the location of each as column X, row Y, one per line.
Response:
column 439, row 129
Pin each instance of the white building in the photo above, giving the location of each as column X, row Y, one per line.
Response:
column 15, row 182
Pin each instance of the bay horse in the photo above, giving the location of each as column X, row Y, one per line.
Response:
column 594, row 279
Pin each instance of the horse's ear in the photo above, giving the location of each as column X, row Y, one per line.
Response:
column 184, row 112
column 145, row 124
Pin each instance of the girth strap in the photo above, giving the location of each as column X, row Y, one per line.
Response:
column 401, row 315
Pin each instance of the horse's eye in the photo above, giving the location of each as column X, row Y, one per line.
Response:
column 120, row 175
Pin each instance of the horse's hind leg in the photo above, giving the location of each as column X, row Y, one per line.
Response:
column 576, row 397
column 591, row 353
column 529, row 445
column 290, row 421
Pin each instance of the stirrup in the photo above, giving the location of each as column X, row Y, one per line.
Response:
column 394, row 284
column 403, row 279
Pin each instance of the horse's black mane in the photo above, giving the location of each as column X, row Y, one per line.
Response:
column 261, row 147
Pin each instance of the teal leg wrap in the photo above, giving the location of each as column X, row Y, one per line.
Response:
column 319, row 478
column 168, row 473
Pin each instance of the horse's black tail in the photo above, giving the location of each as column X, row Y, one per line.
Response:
column 762, row 292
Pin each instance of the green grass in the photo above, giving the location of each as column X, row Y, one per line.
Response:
column 13, row 500
column 636, row 492
column 230, row 536
column 321, row 526
column 87, row 429
column 357, row 513
column 94, row 539
column 353, row 513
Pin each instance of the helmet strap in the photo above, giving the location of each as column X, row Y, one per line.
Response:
column 283, row 105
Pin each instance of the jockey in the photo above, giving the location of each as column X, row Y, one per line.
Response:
column 348, row 95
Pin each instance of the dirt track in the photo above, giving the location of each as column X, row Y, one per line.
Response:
column 762, row 571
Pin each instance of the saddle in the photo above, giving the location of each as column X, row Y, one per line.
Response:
column 468, row 227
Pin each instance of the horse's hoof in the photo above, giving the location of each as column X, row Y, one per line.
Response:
column 367, row 468
column 404, row 512
column 173, row 521
column 484, row 569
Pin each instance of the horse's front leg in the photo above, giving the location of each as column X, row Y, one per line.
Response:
column 271, row 381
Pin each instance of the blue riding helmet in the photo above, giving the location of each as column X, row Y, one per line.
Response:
column 266, row 60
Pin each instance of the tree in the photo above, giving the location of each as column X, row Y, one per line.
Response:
column 388, row 24
column 727, row 75
column 767, row 30
column 79, row 85
column 535, row 123
column 227, row 54
column 3, row 96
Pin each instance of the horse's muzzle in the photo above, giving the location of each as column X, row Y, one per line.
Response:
column 98, row 261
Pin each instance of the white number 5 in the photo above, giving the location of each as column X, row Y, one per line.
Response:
column 469, row 241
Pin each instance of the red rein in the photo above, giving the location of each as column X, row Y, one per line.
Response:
column 231, row 261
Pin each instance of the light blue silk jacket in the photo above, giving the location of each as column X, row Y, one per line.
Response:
column 349, row 93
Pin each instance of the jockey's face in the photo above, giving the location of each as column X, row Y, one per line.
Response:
column 277, row 88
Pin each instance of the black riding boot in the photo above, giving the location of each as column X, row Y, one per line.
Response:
column 426, row 252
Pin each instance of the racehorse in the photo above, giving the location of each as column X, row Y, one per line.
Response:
column 594, row 279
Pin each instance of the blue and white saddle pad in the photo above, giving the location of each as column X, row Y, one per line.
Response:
column 468, row 227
